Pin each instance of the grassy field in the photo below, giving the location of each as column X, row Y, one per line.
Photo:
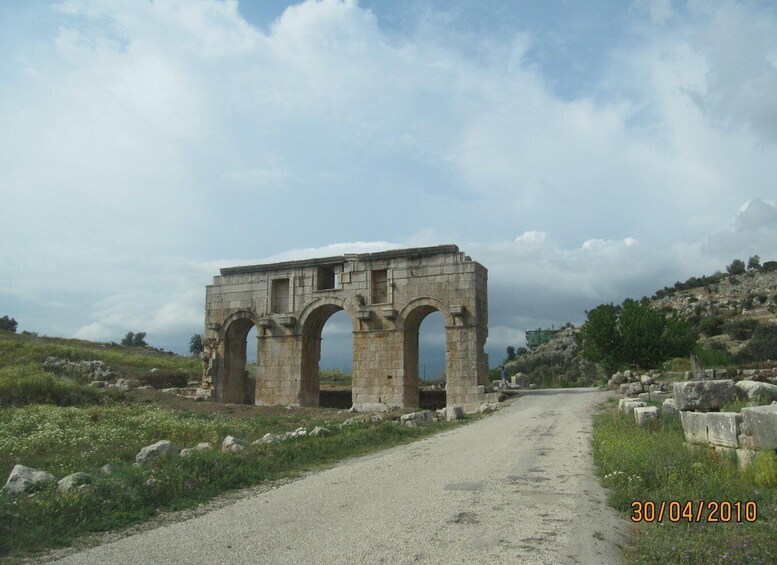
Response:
column 60, row 426
column 654, row 464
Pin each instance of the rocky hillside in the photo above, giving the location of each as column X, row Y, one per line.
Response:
column 731, row 313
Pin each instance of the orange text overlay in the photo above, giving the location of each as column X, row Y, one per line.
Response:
column 694, row 511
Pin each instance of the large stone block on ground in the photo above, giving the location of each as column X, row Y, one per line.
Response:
column 629, row 406
column 644, row 414
column 669, row 407
column 160, row 450
column 723, row 428
column 413, row 419
column 694, row 426
column 757, row 391
column 762, row 424
column 24, row 478
column 635, row 389
column 705, row 395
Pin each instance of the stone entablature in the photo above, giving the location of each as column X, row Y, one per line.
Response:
column 386, row 296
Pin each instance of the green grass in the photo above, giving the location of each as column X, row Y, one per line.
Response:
column 129, row 362
column 335, row 377
column 89, row 437
column 653, row 463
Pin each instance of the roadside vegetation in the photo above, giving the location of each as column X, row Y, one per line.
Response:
column 60, row 425
column 653, row 464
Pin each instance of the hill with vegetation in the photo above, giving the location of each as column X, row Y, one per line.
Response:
column 733, row 316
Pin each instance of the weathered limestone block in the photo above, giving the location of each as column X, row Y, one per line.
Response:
column 487, row 407
column 205, row 446
column 635, row 389
column 23, row 479
column 705, row 395
column 694, row 426
column 644, row 414
column 73, row 481
column 628, row 407
column 624, row 388
column 318, row 431
column 618, row 378
column 757, row 391
column 723, row 428
column 761, row 421
column 413, row 419
column 745, row 457
column 98, row 384
column 160, row 450
column 669, row 407
column 454, row 413
column 646, row 380
column 127, row 384
column 232, row 444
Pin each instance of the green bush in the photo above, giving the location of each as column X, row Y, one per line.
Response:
column 711, row 326
column 763, row 344
column 29, row 384
column 741, row 329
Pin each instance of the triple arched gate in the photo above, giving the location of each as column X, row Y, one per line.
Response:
column 386, row 296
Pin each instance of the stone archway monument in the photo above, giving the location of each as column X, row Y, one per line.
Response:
column 385, row 294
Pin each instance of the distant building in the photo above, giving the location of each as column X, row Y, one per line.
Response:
column 535, row 338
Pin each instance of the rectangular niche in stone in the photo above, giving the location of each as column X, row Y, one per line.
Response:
column 380, row 286
column 280, row 296
column 326, row 278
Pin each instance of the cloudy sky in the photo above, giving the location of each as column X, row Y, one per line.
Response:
column 582, row 151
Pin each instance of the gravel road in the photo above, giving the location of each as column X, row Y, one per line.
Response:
column 515, row 487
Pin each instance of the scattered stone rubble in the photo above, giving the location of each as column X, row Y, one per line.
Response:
column 24, row 479
column 699, row 404
column 80, row 370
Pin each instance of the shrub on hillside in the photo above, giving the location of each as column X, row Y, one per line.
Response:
column 711, row 326
column 8, row 324
column 763, row 344
column 741, row 329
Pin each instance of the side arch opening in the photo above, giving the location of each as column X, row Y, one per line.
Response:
column 239, row 382
column 337, row 388
column 425, row 370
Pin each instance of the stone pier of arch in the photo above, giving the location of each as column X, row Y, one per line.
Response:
column 385, row 294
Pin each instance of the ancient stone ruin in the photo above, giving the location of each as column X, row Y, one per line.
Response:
column 385, row 294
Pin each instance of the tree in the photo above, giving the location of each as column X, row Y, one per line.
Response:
column 754, row 263
column 634, row 334
column 195, row 344
column 737, row 267
column 8, row 324
column 510, row 353
column 599, row 338
column 134, row 339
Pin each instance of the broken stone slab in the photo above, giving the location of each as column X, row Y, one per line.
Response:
column 453, row 413
column 705, row 395
column 110, row 469
column 269, row 438
column 694, row 426
column 160, row 450
column 204, row 446
column 669, row 407
column 232, row 444
column 99, row 384
column 644, row 414
column 75, row 480
column 745, row 457
column 723, row 428
column 127, row 385
column 646, row 380
column 624, row 388
column 761, row 422
column 618, row 378
column 23, row 479
column 487, row 407
column 758, row 391
column 318, row 431
column 422, row 418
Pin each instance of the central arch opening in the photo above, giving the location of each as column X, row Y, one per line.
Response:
column 327, row 358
